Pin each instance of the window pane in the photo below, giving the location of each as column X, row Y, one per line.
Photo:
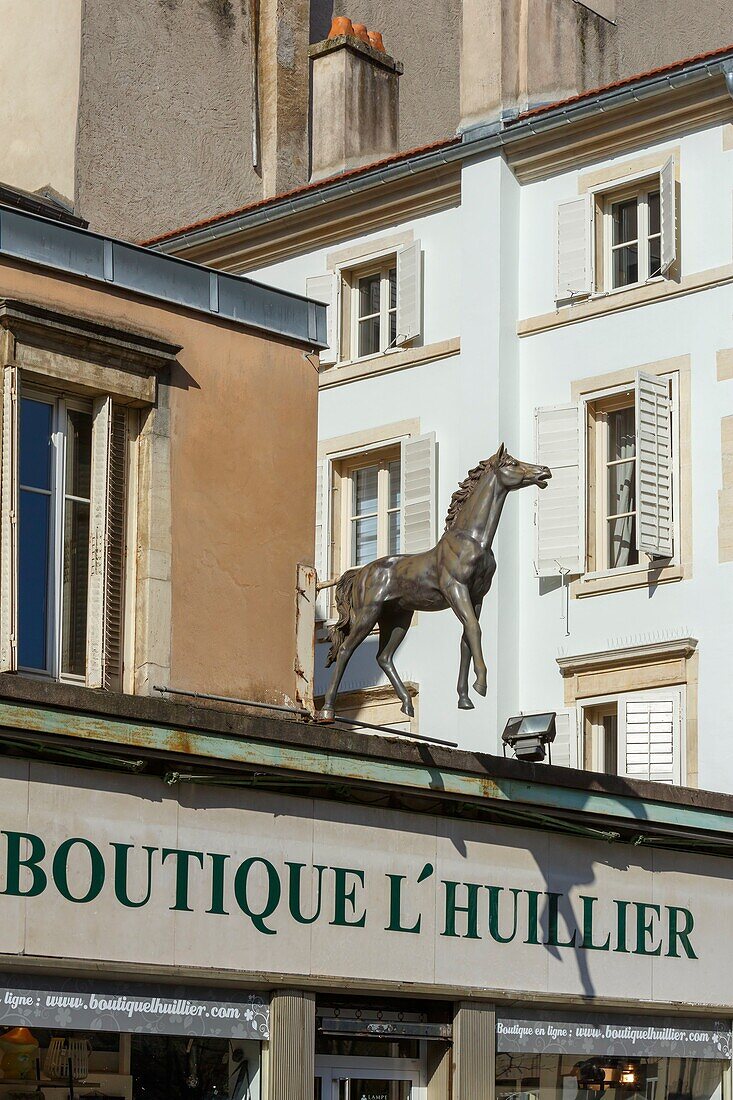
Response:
column 33, row 553
column 655, row 256
column 74, row 589
column 393, row 288
column 36, row 422
column 78, row 453
column 626, row 265
column 622, row 542
column 369, row 336
column 369, row 295
column 395, row 483
column 621, row 488
column 364, row 541
column 625, row 221
column 610, row 743
column 392, row 328
column 621, row 434
column 365, row 490
column 654, row 213
column 394, row 532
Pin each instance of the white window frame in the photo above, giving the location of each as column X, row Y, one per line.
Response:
column 379, row 265
column 380, row 457
column 54, row 617
column 596, row 762
column 643, row 564
column 641, row 193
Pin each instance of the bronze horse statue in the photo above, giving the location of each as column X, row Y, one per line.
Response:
column 456, row 573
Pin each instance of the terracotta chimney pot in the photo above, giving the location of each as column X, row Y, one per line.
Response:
column 340, row 24
column 375, row 40
column 361, row 32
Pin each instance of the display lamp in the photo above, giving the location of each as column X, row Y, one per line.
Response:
column 528, row 734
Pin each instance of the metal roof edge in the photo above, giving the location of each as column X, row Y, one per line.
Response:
column 475, row 141
column 107, row 261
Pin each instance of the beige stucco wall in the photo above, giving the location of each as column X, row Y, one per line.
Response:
column 659, row 32
column 39, row 88
column 242, row 485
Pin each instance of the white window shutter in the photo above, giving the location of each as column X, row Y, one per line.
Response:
column 419, row 505
column 114, row 586
column 654, row 528
column 650, row 736
column 560, row 507
column 9, row 522
column 327, row 289
column 574, row 248
column 564, row 749
column 101, row 429
column 409, row 292
column 668, row 214
column 323, row 598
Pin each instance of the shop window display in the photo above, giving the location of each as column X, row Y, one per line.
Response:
column 598, row 1077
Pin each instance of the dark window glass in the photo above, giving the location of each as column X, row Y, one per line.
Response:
column 626, row 265
column 36, row 420
column 33, row 594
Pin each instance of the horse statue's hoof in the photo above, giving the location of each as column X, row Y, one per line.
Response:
column 408, row 709
column 465, row 704
column 325, row 716
column 480, row 688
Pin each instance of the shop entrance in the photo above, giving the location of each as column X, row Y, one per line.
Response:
column 368, row 1079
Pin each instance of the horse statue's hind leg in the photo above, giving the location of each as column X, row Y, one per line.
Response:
column 392, row 629
column 361, row 624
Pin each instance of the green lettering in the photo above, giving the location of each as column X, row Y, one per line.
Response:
column 588, row 903
column 218, row 862
column 60, row 869
column 681, row 934
column 122, row 852
column 274, row 891
column 452, row 908
column 342, row 895
column 644, row 928
column 295, row 871
column 533, row 901
column 395, row 906
column 183, row 859
column 553, row 916
column 621, row 910
column 31, row 862
column 494, row 892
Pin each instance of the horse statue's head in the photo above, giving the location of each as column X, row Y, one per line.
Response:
column 515, row 474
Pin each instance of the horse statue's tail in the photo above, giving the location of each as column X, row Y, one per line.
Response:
column 341, row 628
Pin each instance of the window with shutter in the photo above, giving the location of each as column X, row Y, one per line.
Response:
column 327, row 289
column 409, row 293
column 654, row 465
column 668, row 214
column 639, row 237
column 573, row 246
column 564, row 749
column 560, row 513
column 116, row 551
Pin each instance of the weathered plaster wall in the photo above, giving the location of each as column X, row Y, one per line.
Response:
column 39, row 88
column 242, row 485
column 425, row 35
column 658, row 32
column 164, row 113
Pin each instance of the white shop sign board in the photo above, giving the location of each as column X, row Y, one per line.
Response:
column 102, row 868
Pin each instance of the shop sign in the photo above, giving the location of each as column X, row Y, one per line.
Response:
column 120, row 1007
column 631, row 1037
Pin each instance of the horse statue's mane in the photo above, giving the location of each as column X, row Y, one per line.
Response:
column 469, row 483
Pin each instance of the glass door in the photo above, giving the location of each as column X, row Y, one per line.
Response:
column 368, row 1079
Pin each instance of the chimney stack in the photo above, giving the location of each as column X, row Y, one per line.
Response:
column 355, row 99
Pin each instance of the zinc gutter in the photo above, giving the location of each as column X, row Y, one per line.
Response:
column 429, row 778
column 476, row 141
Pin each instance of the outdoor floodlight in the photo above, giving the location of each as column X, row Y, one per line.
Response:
column 527, row 735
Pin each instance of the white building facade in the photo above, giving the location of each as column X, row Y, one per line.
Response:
column 562, row 283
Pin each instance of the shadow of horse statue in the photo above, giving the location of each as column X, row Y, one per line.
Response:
column 456, row 573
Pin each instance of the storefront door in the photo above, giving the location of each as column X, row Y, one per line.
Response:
column 368, row 1079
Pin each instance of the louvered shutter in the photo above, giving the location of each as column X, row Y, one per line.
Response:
column 101, row 430
column 574, row 256
column 115, row 558
column 564, row 749
column 9, row 523
column 327, row 289
column 649, row 736
column 654, row 526
column 668, row 214
column 323, row 599
column 560, row 512
column 419, row 505
column 409, row 292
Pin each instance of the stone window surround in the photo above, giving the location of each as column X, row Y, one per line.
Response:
column 648, row 576
column 82, row 355
column 669, row 663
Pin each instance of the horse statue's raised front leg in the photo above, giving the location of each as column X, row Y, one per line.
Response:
column 464, row 699
column 459, row 599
